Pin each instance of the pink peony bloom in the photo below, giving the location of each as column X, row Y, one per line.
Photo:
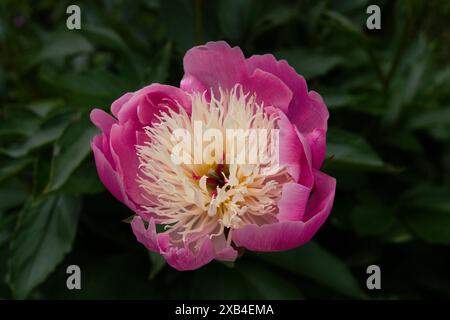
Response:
column 211, row 210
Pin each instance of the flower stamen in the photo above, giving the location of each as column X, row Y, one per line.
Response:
column 215, row 198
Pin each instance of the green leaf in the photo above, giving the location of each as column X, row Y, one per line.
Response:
column 371, row 216
column 407, row 84
column 17, row 122
column 41, row 138
column 7, row 223
column 310, row 63
column 12, row 167
column 178, row 17
column 427, row 213
column 157, row 263
column 44, row 234
column 274, row 17
column 90, row 87
column 13, row 193
column 398, row 233
column 160, row 70
column 405, row 140
column 69, row 151
column 105, row 36
column 106, row 276
column 314, row 262
column 234, row 17
column 43, row 107
column 215, row 281
column 350, row 151
column 345, row 24
column 60, row 45
column 334, row 99
column 266, row 284
column 433, row 227
column 84, row 180
column 430, row 119
column 129, row 219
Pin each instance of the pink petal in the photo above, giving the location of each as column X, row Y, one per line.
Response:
column 215, row 65
column 102, row 120
column 322, row 197
column 312, row 116
column 286, row 73
column 290, row 146
column 292, row 204
column 223, row 250
column 179, row 258
column 286, row 235
column 269, row 89
column 187, row 259
column 157, row 98
column 191, row 84
column 306, row 110
column 117, row 105
column 123, row 141
column 306, row 170
column 294, row 151
column 107, row 174
column 128, row 111
column 317, row 141
column 148, row 237
column 144, row 103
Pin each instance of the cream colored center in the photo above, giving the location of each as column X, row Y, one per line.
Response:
column 212, row 197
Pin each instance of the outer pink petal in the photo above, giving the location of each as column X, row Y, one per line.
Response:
column 223, row 250
column 117, row 105
column 107, row 174
column 215, row 64
column 187, row 258
column 123, row 148
column 269, row 89
column 312, row 116
column 102, row 120
column 144, row 103
column 290, row 147
column 287, row 74
column 292, row 204
column 115, row 148
column 322, row 198
column 148, row 237
column 307, row 110
column 158, row 98
column 306, row 170
column 191, row 84
column 317, row 142
column 294, row 151
column 286, row 235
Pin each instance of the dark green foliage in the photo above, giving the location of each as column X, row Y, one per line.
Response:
column 388, row 95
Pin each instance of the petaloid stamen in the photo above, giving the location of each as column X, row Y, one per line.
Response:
column 193, row 199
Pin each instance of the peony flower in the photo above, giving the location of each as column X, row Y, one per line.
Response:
column 214, row 209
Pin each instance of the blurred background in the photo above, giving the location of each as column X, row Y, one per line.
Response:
column 388, row 145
